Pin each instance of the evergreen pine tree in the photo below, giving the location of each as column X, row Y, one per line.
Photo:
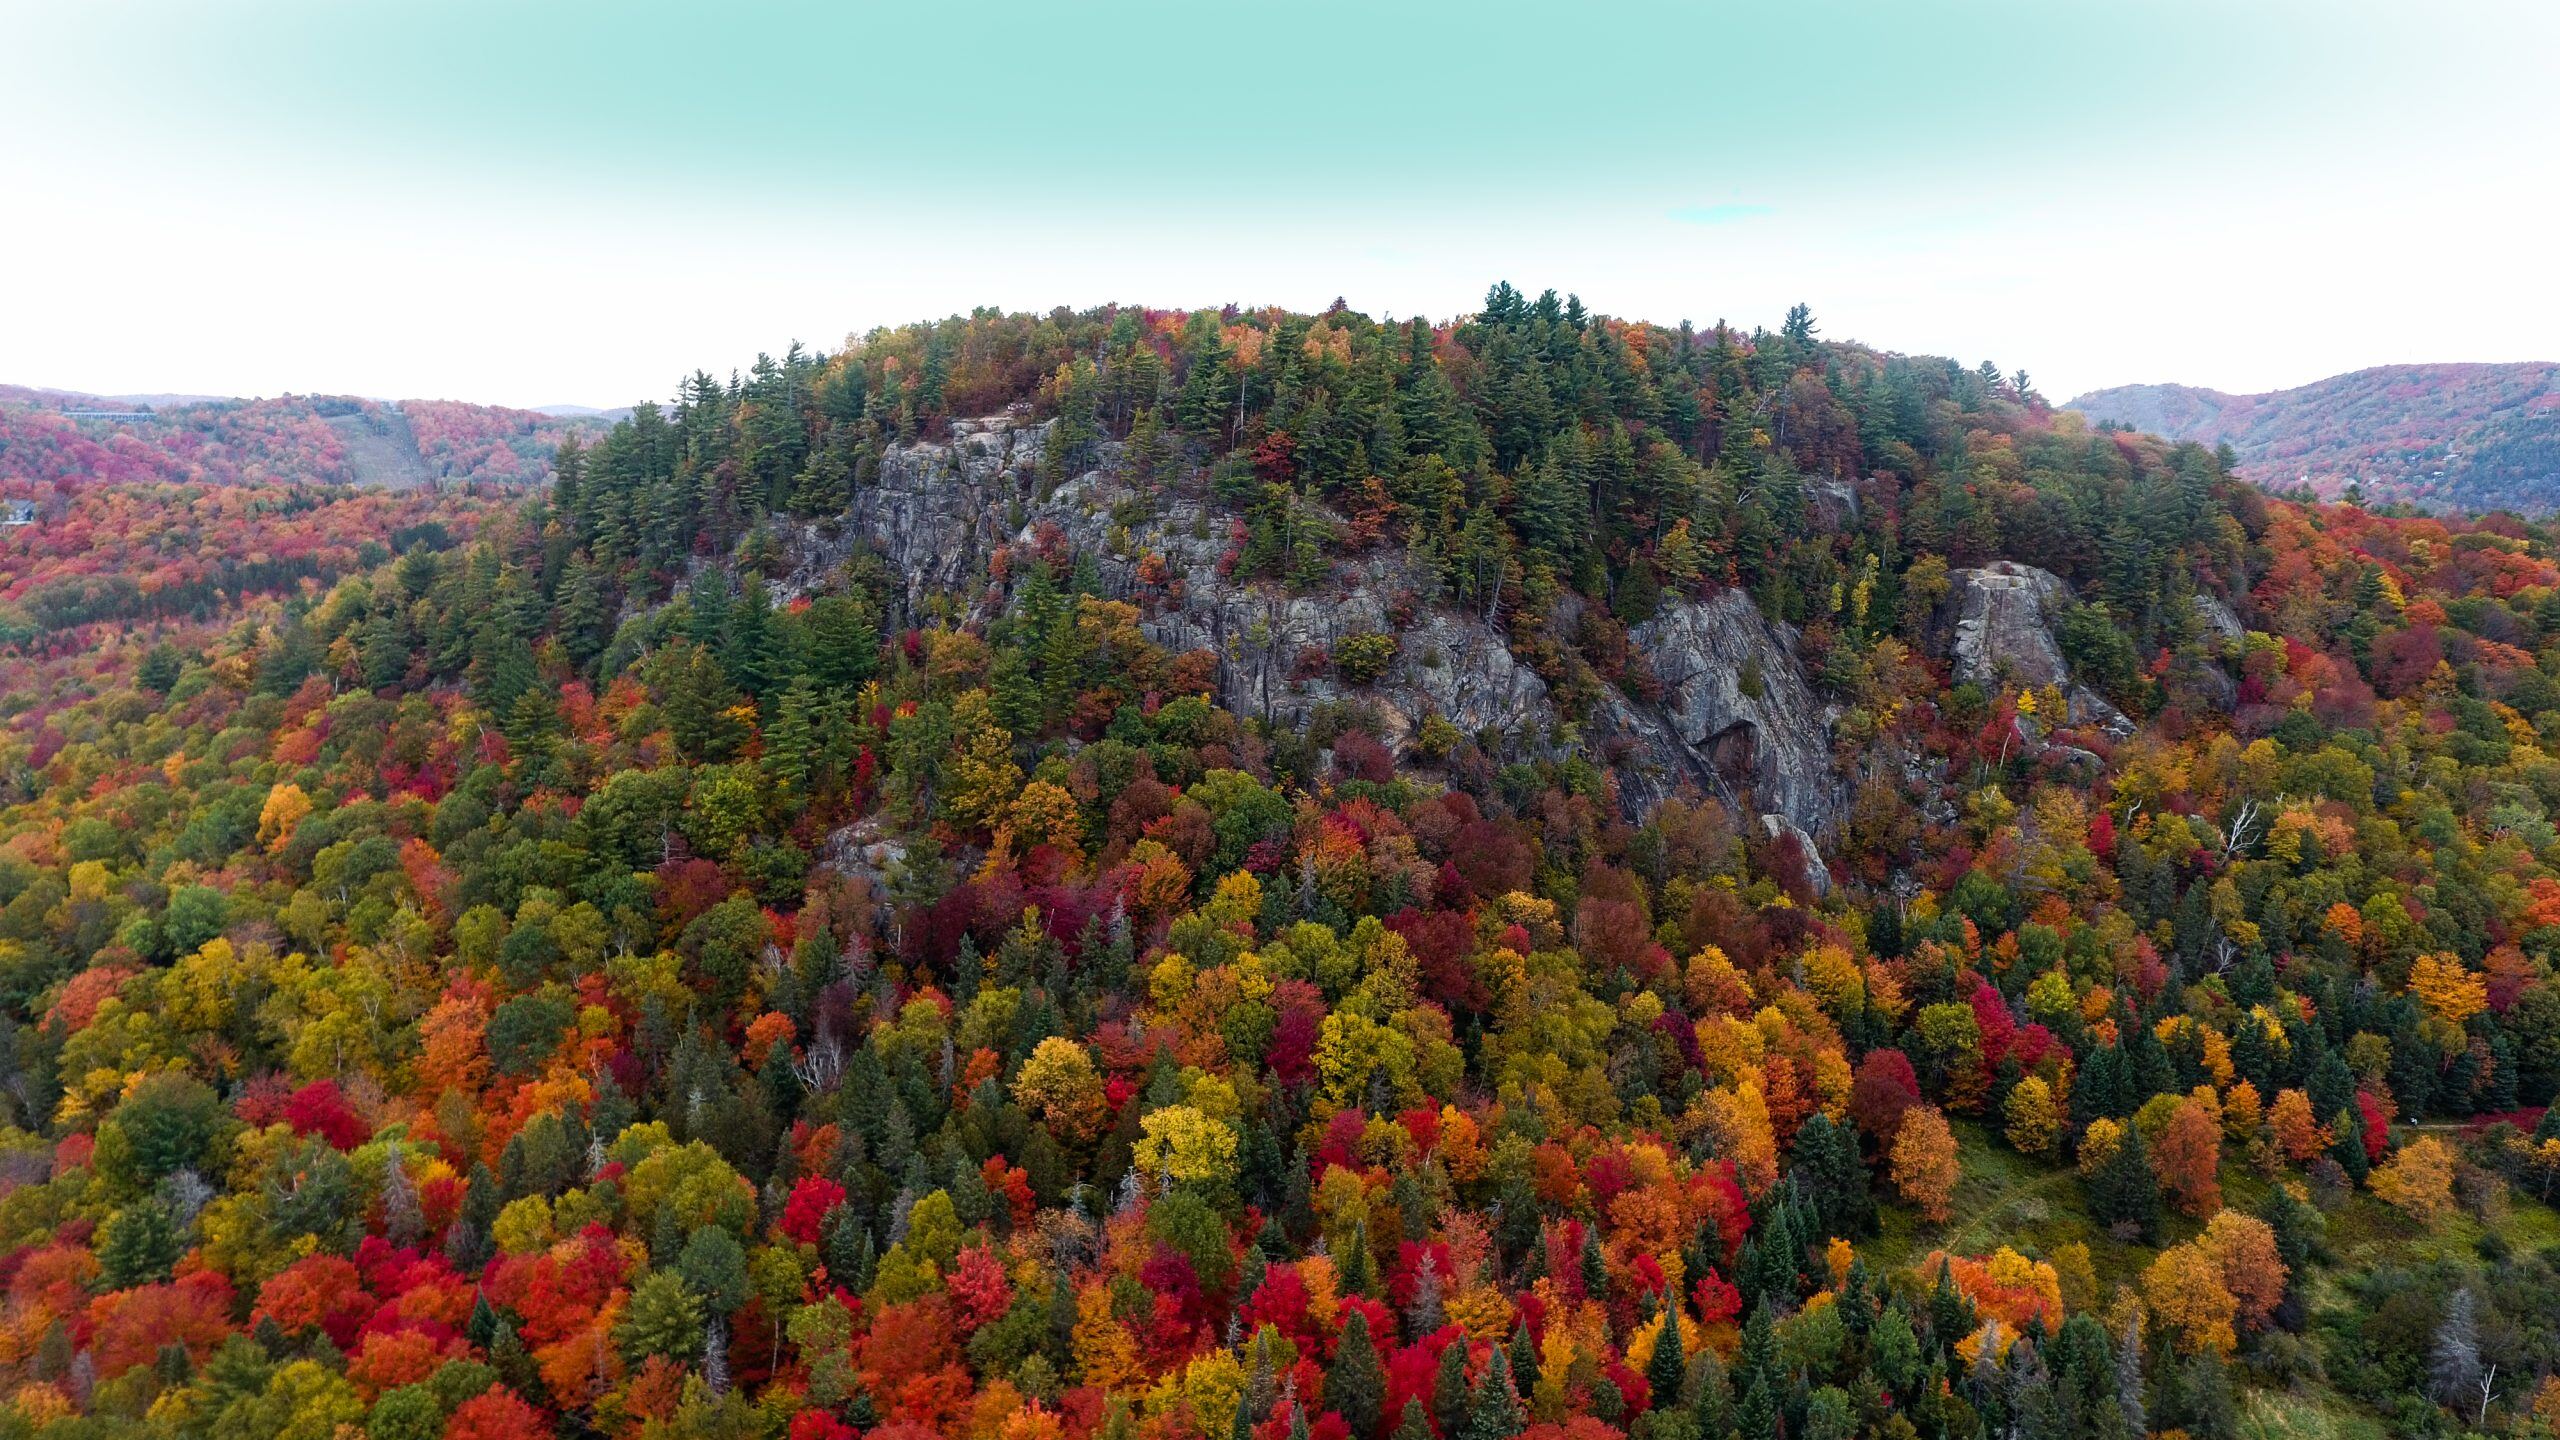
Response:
column 1756, row 1418
column 1710, row 1395
column 2348, row 1146
column 1359, row 1272
column 1356, row 1386
column 1449, row 1398
column 1595, row 1267
column 1669, row 1366
column 2126, row 1191
column 1495, row 1414
column 1524, row 1359
column 1415, row 1425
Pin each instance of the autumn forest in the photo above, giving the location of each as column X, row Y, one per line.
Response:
column 1242, row 875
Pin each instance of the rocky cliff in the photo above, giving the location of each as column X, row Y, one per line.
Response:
column 938, row 511
column 1736, row 711
column 1737, row 719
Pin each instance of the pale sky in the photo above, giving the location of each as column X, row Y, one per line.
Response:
column 579, row 203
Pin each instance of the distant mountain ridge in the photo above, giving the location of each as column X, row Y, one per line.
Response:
column 2453, row 436
column 64, row 435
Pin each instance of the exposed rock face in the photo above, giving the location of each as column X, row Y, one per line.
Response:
column 1447, row 663
column 1737, row 722
column 1999, row 621
column 1816, row 874
column 1737, row 708
column 1832, row 501
column 2217, row 619
column 939, row 510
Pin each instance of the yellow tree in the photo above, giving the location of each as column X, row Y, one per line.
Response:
column 2450, row 991
column 2242, row 1113
column 1104, row 1351
column 1738, row 1117
column 1183, row 1146
column 983, row 775
column 285, row 808
column 2419, row 1179
column 2185, row 1291
column 1060, row 1086
column 2034, row 1120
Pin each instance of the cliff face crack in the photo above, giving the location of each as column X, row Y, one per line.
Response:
column 1736, row 700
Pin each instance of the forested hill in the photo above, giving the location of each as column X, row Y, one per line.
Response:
column 1150, row 875
column 2447, row 437
column 53, row 436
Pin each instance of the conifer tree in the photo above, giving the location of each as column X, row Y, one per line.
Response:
column 2125, row 1191
column 1669, row 1365
column 1449, row 1395
column 1524, row 1359
column 1414, row 1425
column 1356, row 1385
column 1495, row 1415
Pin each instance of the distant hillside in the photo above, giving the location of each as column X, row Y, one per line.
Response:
column 54, row 435
column 2470, row 437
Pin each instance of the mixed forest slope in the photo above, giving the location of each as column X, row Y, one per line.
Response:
column 1144, row 873
column 2458, row 437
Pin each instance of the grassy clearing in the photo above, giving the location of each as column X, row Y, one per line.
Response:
column 2005, row 1198
column 2271, row 1415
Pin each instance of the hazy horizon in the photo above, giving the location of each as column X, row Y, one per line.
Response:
column 579, row 206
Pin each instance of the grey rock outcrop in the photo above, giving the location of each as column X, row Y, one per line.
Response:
column 2220, row 624
column 1816, row 874
column 1999, row 623
column 1736, row 715
column 1737, row 720
column 938, row 510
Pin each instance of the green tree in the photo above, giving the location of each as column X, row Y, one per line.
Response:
column 1496, row 1412
column 714, row 1266
column 663, row 1317
column 138, row 1245
column 1356, row 1386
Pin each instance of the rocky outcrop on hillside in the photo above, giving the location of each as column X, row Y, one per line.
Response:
column 938, row 510
column 1274, row 646
column 2219, row 623
column 1999, row 623
column 1737, row 719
